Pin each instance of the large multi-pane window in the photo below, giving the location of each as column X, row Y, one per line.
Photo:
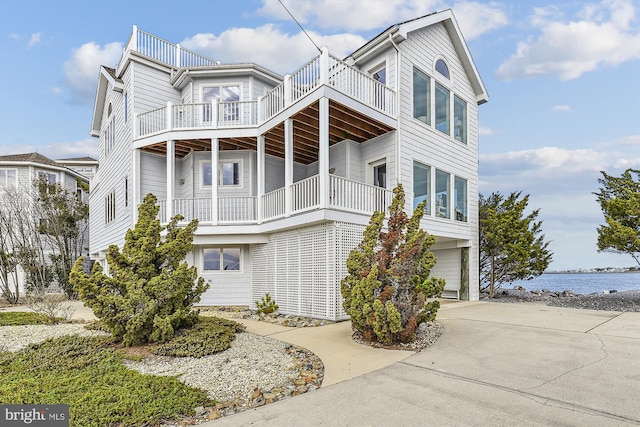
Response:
column 421, row 96
column 459, row 119
column 221, row 259
column 421, row 185
column 8, row 178
column 441, row 102
column 442, row 194
column 442, row 109
column 460, row 198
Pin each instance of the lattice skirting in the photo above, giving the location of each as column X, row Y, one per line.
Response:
column 302, row 268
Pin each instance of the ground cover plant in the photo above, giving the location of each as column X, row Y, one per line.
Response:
column 10, row 318
column 88, row 374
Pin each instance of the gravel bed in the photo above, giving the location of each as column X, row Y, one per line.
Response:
column 232, row 375
column 14, row 338
column 613, row 301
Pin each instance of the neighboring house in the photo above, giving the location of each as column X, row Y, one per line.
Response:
column 18, row 172
column 87, row 166
column 283, row 173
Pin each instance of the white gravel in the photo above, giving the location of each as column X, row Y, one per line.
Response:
column 251, row 361
column 14, row 338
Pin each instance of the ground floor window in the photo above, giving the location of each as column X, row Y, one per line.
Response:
column 221, row 259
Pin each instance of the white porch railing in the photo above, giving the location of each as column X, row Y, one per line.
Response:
column 237, row 209
column 273, row 205
column 357, row 197
column 199, row 208
column 344, row 194
column 305, row 194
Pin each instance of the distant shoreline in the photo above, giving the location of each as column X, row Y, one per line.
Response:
column 592, row 272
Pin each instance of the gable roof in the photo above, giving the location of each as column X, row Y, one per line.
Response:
column 107, row 76
column 399, row 32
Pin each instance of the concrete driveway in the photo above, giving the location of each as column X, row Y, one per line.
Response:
column 497, row 364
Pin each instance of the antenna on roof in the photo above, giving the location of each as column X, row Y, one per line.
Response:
column 296, row 21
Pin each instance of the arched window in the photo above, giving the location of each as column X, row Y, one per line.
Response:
column 441, row 67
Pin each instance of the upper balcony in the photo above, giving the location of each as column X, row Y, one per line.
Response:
column 360, row 105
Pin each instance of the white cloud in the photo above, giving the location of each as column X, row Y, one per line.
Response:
column 14, row 36
column 603, row 36
column 56, row 90
column 81, row 70
column 630, row 140
column 269, row 46
column 34, row 40
column 475, row 18
column 565, row 108
column 484, row 131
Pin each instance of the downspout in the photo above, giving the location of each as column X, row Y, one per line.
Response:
column 398, row 139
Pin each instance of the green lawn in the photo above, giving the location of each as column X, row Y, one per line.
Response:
column 88, row 374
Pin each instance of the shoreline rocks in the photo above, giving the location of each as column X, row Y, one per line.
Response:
column 611, row 301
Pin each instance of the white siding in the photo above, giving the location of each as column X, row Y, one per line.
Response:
column 427, row 145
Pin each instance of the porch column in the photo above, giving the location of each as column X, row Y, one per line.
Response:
column 260, row 177
column 171, row 154
column 214, row 181
column 323, row 155
column 135, row 183
column 288, row 165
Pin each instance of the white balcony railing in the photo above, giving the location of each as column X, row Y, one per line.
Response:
column 164, row 51
column 357, row 197
column 345, row 195
column 323, row 69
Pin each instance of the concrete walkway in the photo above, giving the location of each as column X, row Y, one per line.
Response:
column 497, row 364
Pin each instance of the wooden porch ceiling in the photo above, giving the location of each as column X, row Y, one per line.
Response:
column 344, row 123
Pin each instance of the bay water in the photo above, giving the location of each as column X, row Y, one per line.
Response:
column 581, row 283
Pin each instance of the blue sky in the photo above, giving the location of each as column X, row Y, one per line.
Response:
column 563, row 80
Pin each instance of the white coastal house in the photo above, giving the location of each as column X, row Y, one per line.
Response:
column 18, row 173
column 283, row 172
